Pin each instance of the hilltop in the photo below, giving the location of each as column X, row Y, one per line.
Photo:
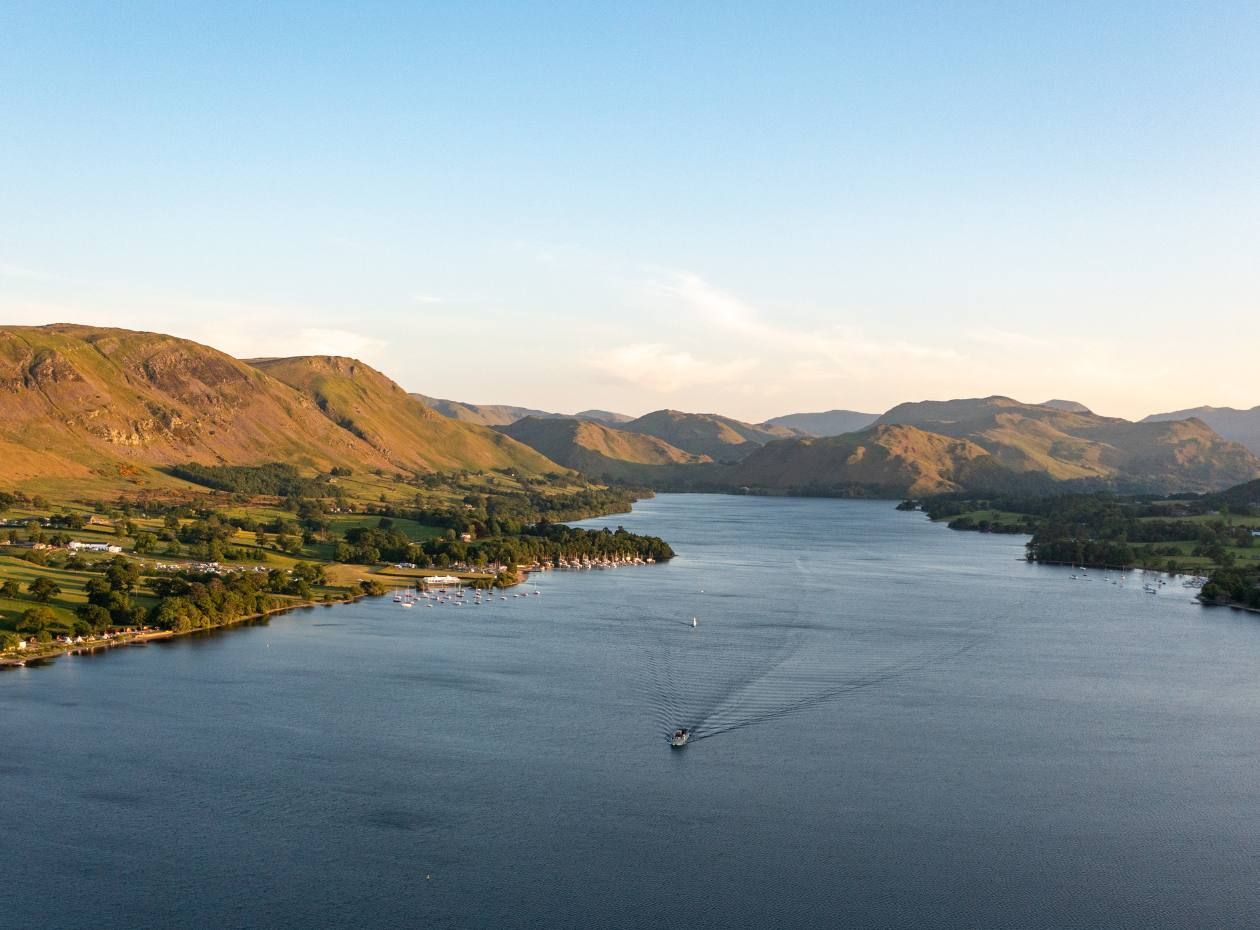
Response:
column 506, row 414
column 826, row 423
column 1241, row 426
column 1184, row 455
column 599, row 450
column 886, row 459
column 604, row 416
column 1068, row 406
column 720, row 438
column 92, row 408
column 480, row 414
column 89, row 405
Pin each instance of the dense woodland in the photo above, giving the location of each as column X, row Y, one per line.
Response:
column 1213, row 532
column 542, row 542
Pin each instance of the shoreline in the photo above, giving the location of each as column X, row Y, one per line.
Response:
column 1232, row 605
column 54, row 650
column 148, row 636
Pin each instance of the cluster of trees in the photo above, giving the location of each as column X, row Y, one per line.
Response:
column 984, row 525
column 534, row 542
column 1103, row 530
column 109, row 601
column 1233, row 584
column 1119, row 530
column 42, row 589
column 191, row 602
column 10, row 498
column 110, row 598
column 276, row 479
column 509, row 513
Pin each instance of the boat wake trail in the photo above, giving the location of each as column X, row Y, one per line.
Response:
column 693, row 685
column 766, row 699
column 733, row 679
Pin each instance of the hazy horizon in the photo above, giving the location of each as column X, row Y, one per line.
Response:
column 750, row 212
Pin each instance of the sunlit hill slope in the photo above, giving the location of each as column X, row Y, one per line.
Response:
column 87, row 406
column 599, row 450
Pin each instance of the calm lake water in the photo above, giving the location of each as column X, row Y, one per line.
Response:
column 897, row 726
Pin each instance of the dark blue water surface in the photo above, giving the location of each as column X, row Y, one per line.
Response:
column 897, row 726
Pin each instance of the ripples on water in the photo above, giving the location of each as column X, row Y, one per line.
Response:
column 749, row 679
column 896, row 726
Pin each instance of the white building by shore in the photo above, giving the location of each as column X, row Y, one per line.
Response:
column 93, row 546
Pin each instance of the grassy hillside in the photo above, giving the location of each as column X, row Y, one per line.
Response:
column 371, row 407
column 90, row 407
column 720, row 438
column 1065, row 444
column 1241, row 426
column 1241, row 499
column 599, row 450
column 889, row 459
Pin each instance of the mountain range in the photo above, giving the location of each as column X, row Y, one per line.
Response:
column 916, row 448
column 94, row 407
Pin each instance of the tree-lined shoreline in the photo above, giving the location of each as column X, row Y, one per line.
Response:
column 1214, row 536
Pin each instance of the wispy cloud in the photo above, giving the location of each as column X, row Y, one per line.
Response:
column 321, row 341
column 661, row 368
column 806, row 348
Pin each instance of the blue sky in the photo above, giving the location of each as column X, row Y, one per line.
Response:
column 750, row 209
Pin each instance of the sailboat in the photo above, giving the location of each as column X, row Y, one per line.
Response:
column 694, row 623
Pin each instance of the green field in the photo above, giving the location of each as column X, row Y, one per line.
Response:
column 993, row 517
column 274, row 543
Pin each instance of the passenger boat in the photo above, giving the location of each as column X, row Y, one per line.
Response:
column 679, row 739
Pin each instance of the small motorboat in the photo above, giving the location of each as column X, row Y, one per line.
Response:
column 679, row 739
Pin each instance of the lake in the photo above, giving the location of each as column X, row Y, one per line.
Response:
column 896, row 725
